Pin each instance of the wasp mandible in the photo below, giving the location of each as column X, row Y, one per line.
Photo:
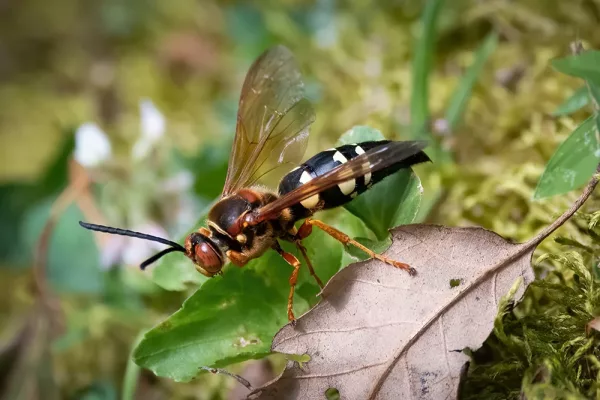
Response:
column 273, row 121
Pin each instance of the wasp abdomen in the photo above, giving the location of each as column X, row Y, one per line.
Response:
column 345, row 192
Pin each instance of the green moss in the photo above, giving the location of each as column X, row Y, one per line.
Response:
column 542, row 348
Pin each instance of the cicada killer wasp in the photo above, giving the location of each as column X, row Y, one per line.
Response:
column 271, row 134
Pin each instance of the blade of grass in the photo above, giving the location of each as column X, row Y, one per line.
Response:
column 594, row 90
column 132, row 372
column 462, row 93
column 576, row 101
column 583, row 64
column 422, row 61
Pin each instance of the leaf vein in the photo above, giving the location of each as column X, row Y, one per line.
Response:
column 369, row 327
column 348, row 371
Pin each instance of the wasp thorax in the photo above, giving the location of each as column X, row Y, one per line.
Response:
column 204, row 253
column 225, row 215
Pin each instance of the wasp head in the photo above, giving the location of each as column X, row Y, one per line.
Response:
column 204, row 253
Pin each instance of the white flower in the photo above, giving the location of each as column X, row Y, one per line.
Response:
column 112, row 250
column 131, row 251
column 180, row 182
column 152, row 128
column 92, row 146
column 137, row 250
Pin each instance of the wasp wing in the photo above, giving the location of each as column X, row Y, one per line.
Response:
column 371, row 161
column 272, row 122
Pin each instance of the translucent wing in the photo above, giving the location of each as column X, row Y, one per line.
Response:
column 272, row 122
column 371, row 161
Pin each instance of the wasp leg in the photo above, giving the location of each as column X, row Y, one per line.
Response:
column 293, row 261
column 345, row 239
column 237, row 258
column 296, row 237
column 302, row 249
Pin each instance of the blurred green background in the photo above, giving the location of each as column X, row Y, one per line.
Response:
column 164, row 77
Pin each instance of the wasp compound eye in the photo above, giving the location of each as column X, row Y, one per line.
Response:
column 204, row 253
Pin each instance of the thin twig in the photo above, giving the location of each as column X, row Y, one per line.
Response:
column 547, row 231
column 234, row 376
column 47, row 300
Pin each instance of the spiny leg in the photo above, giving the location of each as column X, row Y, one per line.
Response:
column 293, row 261
column 345, row 239
column 296, row 236
column 302, row 249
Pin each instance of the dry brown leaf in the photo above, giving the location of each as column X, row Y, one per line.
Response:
column 380, row 334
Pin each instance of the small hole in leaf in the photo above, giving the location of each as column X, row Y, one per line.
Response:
column 332, row 394
column 454, row 283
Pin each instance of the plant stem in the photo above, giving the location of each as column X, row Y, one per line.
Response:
column 547, row 231
column 234, row 376
column 45, row 298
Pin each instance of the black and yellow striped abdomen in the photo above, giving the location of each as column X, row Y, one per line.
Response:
column 341, row 194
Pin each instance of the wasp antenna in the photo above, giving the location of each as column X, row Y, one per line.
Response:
column 159, row 255
column 139, row 235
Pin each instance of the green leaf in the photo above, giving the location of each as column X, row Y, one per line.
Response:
column 579, row 99
column 462, row 93
column 229, row 319
column 17, row 198
column 176, row 272
column 573, row 163
column 595, row 93
column 73, row 260
column 422, row 64
column 359, row 133
column 325, row 254
column 596, row 136
column 392, row 202
column 585, row 65
column 356, row 228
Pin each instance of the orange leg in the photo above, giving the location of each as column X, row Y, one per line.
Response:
column 293, row 261
column 345, row 239
column 302, row 249
column 237, row 258
column 296, row 237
